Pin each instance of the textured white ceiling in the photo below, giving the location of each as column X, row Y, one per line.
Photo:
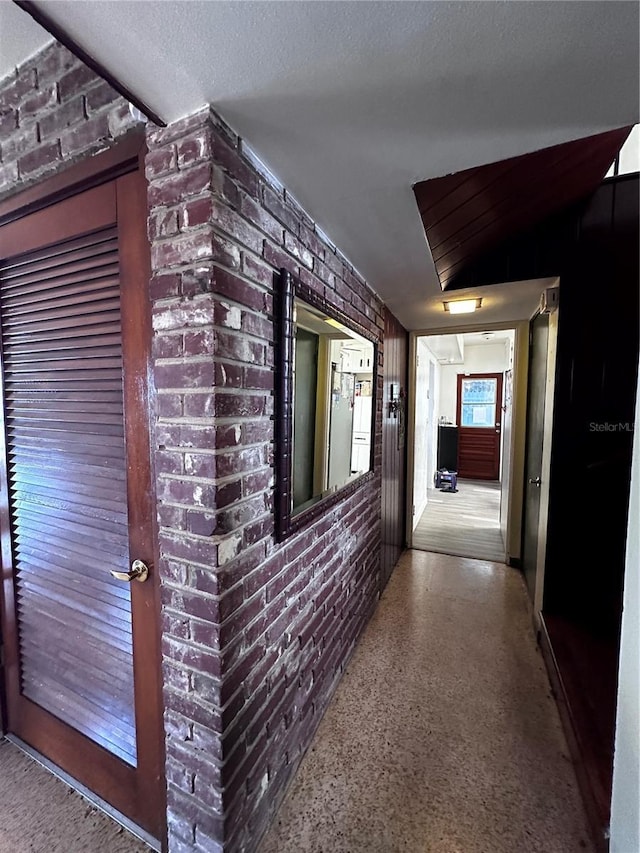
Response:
column 501, row 337
column 20, row 38
column 351, row 103
column 451, row 349
column 447, row 349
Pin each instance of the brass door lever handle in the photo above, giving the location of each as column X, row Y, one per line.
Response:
column 139, row 572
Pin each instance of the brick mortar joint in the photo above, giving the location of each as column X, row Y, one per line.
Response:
column 192, row 479
column 180, row 236
column 165, row 580
column 195, row 698
column 201, row 508
column 215, row 598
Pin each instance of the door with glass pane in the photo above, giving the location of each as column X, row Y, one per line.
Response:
column 479, row 417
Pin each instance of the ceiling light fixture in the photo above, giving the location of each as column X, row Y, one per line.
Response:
column 463, row 306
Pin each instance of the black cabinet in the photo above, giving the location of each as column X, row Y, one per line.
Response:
column 448, row 447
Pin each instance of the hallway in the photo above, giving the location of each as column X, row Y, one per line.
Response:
column 442, row 736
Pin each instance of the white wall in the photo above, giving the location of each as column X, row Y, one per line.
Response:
column 434, row 392
column 422, row 431
column 518, row 443
column 478, row 358
column 625, row 805
column 630, row 156
column 507, row 424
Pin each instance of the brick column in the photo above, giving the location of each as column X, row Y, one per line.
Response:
column 255, row 633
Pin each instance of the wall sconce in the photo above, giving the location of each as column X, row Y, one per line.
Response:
column 394, row 400
column 463, row 306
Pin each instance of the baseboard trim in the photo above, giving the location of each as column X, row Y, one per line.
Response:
column 84, row 792
column 599, row 833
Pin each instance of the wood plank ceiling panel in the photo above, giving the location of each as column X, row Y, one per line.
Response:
column 470, row 212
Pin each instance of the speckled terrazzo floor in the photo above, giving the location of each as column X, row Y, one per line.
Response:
column 442, row 736
column 41, row 814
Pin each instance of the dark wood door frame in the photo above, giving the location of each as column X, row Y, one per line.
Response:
column 534, row 439
column 126, row 156
column 124, row 161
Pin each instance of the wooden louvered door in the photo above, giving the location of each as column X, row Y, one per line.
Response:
column 81, row 646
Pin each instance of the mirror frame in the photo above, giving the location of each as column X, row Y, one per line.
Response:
column 288, row 287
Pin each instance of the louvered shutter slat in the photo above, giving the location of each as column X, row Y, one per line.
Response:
column 62, row 363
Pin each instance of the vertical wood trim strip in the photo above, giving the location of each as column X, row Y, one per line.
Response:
column 283, row 304
column 394, row 457
column 136, row 345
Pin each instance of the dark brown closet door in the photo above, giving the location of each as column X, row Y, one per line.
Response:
column 82, row 664
column 479, row 416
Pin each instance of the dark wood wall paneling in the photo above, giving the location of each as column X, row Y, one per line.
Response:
column 470, row 212
column 393, row 446
column 591, row 471
column 594, row 409
column 594, row 248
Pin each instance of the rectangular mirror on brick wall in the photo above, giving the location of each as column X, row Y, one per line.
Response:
column 325, row 407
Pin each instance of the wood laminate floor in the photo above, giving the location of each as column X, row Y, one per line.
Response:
column 465, row 523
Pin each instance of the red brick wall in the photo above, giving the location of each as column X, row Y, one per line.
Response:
column 255, row 633
column 54, row 111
